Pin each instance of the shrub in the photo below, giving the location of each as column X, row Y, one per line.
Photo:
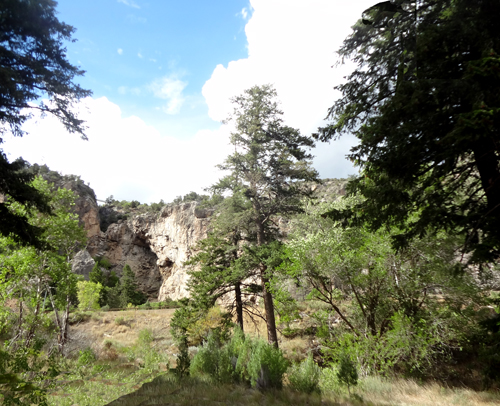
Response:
column 347, row 373
column 328, row 381
column 146, row 337
column 214, row 361
column 86, row 357
column 266, row 366
column 109, row 352
column 214, row 320
column 304, row 377
column 121, row 321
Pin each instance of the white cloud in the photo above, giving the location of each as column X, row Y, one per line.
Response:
column 292, row 44
column 169, row 88
column 120, row 51
column 124, row 156
column 140, row 55
column 244, row 13
column 129, row 3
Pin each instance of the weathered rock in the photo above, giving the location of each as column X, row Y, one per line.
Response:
column 83, row 263
column 155, row 246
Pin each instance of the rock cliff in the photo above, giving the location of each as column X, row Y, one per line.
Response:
column 155, row 246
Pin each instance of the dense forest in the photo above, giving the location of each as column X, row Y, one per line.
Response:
column 395, row 278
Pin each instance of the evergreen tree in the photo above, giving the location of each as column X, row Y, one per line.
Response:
column 425, row 106
column 268, row 162
column 129, row 292
column 33, row 64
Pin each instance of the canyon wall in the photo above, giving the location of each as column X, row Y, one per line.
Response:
column 154, row 245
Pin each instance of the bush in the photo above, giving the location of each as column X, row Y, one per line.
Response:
column 266, row 366
column 328, row 381
column 347, row 373
column 214, row 361
column 86, row 357
column 146, row 337
column 304, row 377
column 121, row 321
column 242, row 359
column 215, row 320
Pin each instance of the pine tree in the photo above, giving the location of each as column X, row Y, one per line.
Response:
column 425, row 106
column 267, row 166
column 33, row 65
column 129, row 292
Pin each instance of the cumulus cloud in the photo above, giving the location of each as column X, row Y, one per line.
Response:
column 120, row 51
column 124, row 156
column 169, row 88
column 292, row 44
column 244, row 13
column 129, row 3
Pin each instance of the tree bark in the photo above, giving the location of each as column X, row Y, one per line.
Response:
column 239, row 305
column 272, row 335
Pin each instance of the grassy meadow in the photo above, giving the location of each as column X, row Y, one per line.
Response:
column 126, row 358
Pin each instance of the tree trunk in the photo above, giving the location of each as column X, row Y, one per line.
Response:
column 487, row 165
column 272, row 335
column 239, row 305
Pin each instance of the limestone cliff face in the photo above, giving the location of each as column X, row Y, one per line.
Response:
column 155, row 246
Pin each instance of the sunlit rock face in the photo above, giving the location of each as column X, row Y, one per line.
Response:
column 155, row 246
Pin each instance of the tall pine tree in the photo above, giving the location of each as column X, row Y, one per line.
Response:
column 268, row 166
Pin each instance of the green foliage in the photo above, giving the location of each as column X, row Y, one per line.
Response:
column 266, row 171
column 88, row 295
column 214, row 360
column 25, row 375
column 36, row 277
column 183, row 361
column 241, row 359
column 304, row 377
column 347, row 373
column 129, row 292
column 86, row 357
column 190, row 197
column 96, row 275
column 381, row 299
column 214, row 321
column 146, row 337
column 266, row 365
column 427, row 123
column 34, row 67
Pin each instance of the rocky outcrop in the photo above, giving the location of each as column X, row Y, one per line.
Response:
column 83, row 263
column 155, row 246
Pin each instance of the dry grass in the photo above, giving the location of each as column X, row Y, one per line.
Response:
column 104, row 335
column 103, row 327
column 408, row 393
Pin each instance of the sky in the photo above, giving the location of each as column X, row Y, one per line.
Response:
column 162, row 74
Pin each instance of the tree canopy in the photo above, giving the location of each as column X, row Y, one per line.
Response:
column 269, row 163
column 33, row 67
column 424, row 104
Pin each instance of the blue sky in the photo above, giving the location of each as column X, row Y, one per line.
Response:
column 162, row 75
column 127, row 46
